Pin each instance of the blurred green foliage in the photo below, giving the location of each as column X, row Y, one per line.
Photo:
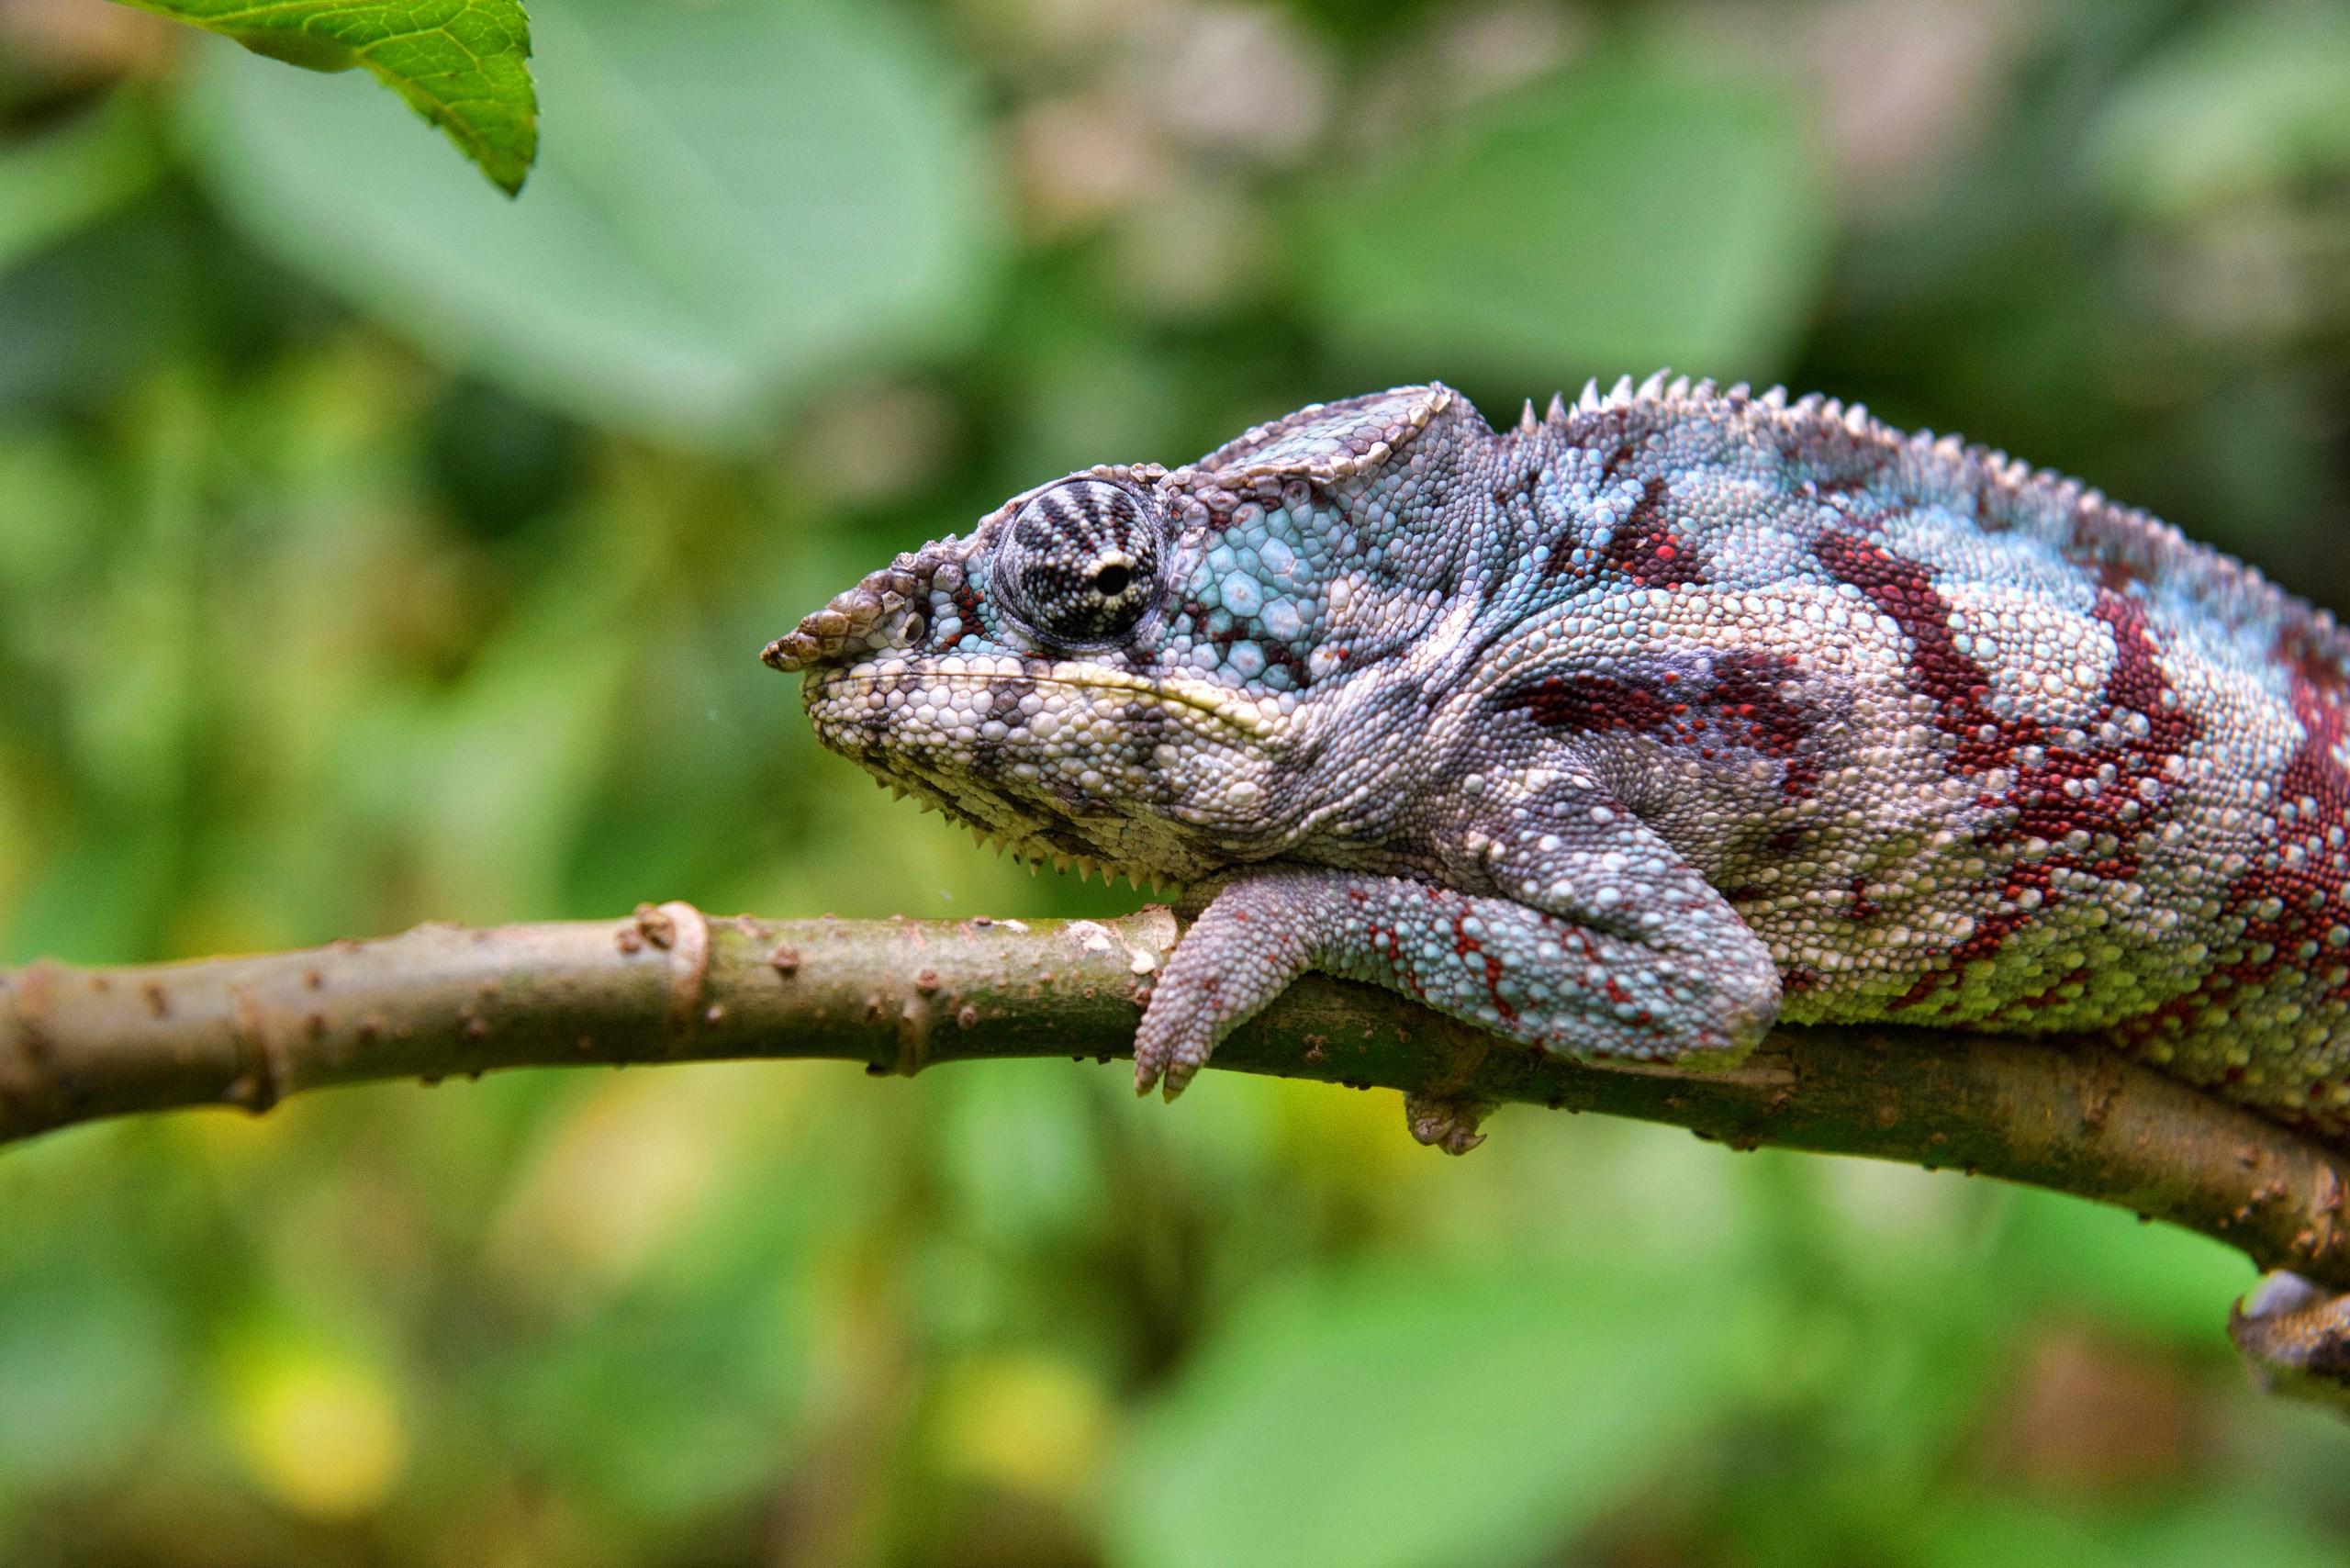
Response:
column 373, row 550
column 732, row 201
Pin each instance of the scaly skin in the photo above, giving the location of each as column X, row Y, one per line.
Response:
column 1628, row 729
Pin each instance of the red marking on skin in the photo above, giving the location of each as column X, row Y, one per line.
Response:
column 1405, row 974
column 1613, row 425
column 2136, row 681
column 2068, row 792
column 1463, row 944
column 2308, row 651
column 1594, row 704
column 1861, row 908
column 1494, row 988
column 2114, row 542
column 2088, row 802
column 1991, row 932
column 1748, row 700
column 1644, row 547
column 1831, row 462
column 1904, row 591
column 966, row 612
column 1741, row 705
column 2117, row 577
column 2288, row 908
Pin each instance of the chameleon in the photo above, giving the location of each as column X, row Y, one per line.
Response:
column 1632, row 729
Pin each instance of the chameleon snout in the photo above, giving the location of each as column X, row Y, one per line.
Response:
column 885, row 612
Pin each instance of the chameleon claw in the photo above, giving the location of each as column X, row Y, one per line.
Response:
column 1184, row 1068
column 2295, row 1340
column 1154, row 1063
column 1166, row 1068
column 1442, row 1122
column 1170, row 1080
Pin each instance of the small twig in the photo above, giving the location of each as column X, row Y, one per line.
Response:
column 899, row 995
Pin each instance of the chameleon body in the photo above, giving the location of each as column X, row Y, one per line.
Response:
column 1626, row 731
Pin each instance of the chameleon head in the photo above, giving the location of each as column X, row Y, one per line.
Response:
column 1173, row 673
column 1024, row 680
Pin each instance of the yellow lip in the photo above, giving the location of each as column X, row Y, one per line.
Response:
column 1199, row 696
column 1202, row 696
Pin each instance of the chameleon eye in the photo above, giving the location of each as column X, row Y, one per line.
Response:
column 1079, row 567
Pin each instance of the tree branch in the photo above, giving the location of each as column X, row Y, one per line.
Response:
column 899, row 995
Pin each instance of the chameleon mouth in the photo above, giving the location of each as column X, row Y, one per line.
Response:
column 970, row 744
column 1025, row 848
column 836, row 694
column 905, row 779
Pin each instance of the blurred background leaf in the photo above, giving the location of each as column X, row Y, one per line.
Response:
column 732, row 198
column 1436, row 1419
column 2249, row 105
column 61, row 180
column 1633, row 210
column 374, row 549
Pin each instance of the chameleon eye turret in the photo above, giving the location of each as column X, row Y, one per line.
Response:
column 1079, row 565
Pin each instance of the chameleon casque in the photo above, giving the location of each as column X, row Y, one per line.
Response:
column 1634, row 728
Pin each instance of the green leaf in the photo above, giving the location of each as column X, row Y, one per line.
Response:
column 2012, row 1534
column 463, row 64
column 1418, row 1421
column 2254, row 101
column 1017, row 1150
column 2154, row 1278
column 2221, row 1532
column 2214, row 1532
column 1627, row 216
column 668, row 1408
column 733, row 199
column 55, row 183
column 86, row 1371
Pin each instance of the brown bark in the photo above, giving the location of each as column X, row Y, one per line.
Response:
column 901, row 995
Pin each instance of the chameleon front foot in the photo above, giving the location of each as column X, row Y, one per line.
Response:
column 1445, row 1121
column 1700, row 989
column 1251, row 940
column 2295, row 1339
